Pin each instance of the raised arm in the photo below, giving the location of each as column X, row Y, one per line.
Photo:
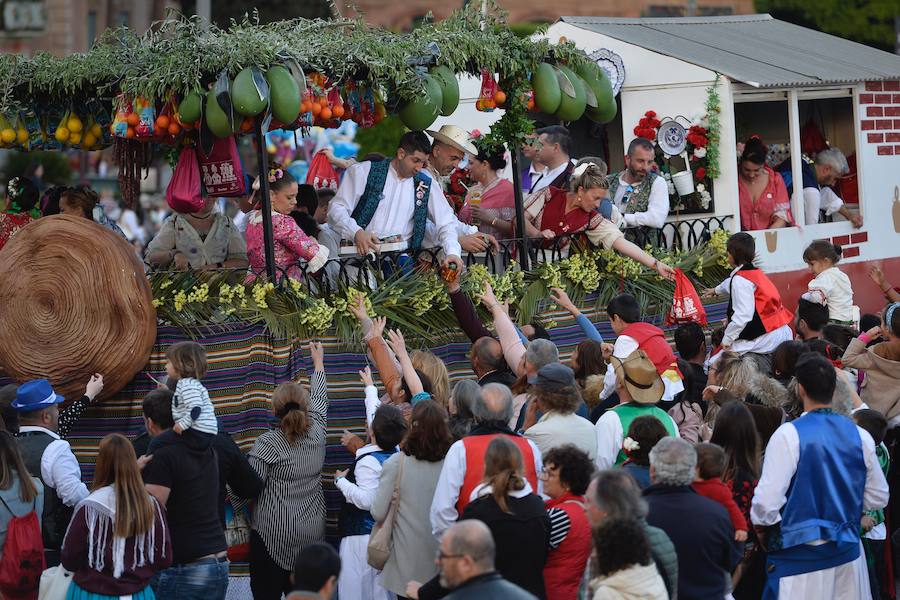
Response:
column 381, row 354
column 560, row 297
column 398, row 345
column 70, row 415
column 465, row 313
column 318, row 386
column 626, row 248
column 513, row 348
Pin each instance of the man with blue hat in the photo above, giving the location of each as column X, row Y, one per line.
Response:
column 50, row 458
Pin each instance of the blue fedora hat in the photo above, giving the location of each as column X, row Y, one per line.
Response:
column 35, row 395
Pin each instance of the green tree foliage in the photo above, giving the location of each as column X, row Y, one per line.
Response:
column 56, row 166
column 869, row 22
column 382, row 138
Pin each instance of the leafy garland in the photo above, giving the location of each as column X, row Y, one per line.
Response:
column 713, row 128
column 178, row 55
column 418, row 302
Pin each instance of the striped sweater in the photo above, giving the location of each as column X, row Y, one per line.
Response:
column 192, row 408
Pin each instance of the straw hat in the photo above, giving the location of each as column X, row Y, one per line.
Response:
column 454, row 136
column 641, row 379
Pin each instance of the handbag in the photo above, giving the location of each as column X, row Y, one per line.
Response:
column 55, row 583
column 379, row 549
column 22, row 558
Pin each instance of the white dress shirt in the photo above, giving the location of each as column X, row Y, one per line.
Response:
column 743, row 303
column 547, row 177
column 835, row 286
column 394, row 215
column 59, row 468
column 815, row 200
column 657, row 206
column 610, row 436
column 622, row 349
column 453, row 473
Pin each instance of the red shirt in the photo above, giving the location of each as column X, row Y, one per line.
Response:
column 10, row 223
column 717, row 491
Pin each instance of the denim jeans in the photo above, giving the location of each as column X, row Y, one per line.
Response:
column 202, row 580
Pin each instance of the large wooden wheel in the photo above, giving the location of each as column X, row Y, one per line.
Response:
column 74, row 301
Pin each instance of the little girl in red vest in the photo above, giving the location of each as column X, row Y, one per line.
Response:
column 757, row 320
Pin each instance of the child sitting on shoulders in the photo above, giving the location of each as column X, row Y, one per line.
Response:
column 874, row 531
column 830, row 282
column 191, row 407
column 708, row 483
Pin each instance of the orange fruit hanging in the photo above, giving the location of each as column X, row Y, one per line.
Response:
column 129, row 133
column 325, row 114
column 316, row 109
column 174, row 129
column 500, row 97
column 162, row 121
column 133, row 119
column 338, row 112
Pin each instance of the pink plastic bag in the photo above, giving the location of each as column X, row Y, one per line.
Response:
column 221, row 170
column 183, row 194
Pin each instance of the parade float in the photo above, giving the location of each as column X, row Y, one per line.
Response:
column 76, row 300
column 713, row 82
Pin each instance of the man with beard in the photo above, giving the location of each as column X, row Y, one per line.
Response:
column 450, row 146
column 641, row 195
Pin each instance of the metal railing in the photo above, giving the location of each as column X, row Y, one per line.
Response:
column 365, row 271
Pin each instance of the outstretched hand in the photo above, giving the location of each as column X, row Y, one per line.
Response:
column 317, row 353
column 94, row 386
column 560, row 297
column 397, row 343
column 378, row 324
column 366, row 377
column 358, row 308
column 488, row 298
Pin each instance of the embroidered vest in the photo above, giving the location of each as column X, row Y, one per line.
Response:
column 769, row 313
column 631, row 411
column 354, row 520
column 374, row 194
column 639, row 199
column 638, row 202
column 825, row 498
column 476, row 448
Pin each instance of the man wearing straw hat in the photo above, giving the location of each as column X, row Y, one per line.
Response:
column 639, row 387
column 450, row 145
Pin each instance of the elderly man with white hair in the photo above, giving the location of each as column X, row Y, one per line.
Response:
column 699, row 527
column 819, row 177
column 463, row 467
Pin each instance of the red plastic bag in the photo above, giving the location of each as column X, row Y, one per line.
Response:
column 23, row 558
column 183, row 194
column 686, row 305
column 321, row 174
column 221, row 171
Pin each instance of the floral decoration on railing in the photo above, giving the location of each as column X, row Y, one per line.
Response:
column 700, row 159
column 416, row 299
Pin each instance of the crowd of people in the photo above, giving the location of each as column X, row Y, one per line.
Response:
column 747, row 465
column 751, row 462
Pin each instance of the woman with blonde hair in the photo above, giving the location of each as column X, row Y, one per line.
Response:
column 290, row 511
column 118, row 538
column 584, row 208
column 436, row 371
